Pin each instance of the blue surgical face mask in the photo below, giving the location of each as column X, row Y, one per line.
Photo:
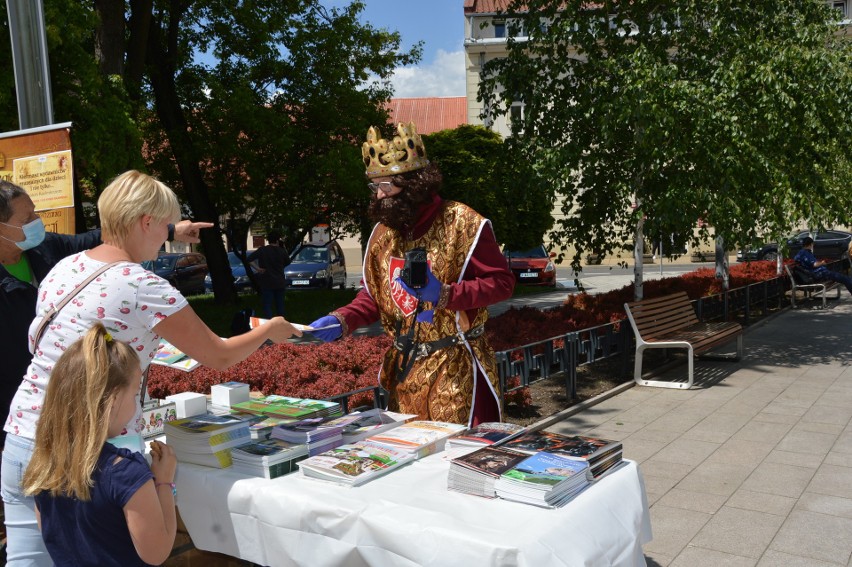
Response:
column 33, row 234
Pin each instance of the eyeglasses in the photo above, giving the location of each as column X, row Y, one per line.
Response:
column 385, row 187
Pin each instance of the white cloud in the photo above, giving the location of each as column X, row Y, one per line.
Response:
column 442, row 77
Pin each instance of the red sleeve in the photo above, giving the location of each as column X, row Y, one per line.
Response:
column 360, row 312
column 487, row 279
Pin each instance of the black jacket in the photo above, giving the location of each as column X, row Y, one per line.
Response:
column 18, row 305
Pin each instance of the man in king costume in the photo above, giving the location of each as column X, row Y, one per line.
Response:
column 440, row 366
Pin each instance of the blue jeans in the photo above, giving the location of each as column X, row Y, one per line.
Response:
column 24, row 544
column 838, row 277
column 273, row 295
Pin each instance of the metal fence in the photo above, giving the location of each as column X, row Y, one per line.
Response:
column 565, row 354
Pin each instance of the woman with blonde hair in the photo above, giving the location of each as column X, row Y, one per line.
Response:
column 98, row 504
column 134, row 305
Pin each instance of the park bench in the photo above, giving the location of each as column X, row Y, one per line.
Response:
column 670, row 322
column 808, row 288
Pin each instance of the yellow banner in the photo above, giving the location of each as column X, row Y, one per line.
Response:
column 47, row 178
column 40, row 161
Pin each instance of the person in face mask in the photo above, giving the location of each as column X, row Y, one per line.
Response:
column 27, row 254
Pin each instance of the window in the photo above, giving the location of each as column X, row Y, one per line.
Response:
column 839, row 6
column 516, row 112
column 499, row 28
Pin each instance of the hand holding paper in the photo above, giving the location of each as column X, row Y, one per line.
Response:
column 326, row 328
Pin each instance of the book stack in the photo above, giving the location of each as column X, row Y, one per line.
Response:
column 315, row 432
column 284, row 406
column 480, row 436
column 420, row 438
column 354, row 464
column 543, row 479
column 357, row 426
column 604, row 456
column 269, row 458
column 263, row 429
column 207, row 439
column 476, row 472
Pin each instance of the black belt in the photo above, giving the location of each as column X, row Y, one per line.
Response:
column 422, row 350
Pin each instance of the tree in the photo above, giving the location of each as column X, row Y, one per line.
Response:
column 670, row 112
column 251, row 111
column 485, row 172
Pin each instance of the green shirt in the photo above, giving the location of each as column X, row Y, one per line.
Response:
column 21, row 270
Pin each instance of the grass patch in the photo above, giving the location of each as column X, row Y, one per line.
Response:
column 301, row 306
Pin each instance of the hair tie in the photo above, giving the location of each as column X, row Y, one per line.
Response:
column 108, row 337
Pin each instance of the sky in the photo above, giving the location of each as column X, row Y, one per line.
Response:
column 440, row 25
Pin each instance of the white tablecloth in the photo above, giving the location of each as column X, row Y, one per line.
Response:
column 408, row 517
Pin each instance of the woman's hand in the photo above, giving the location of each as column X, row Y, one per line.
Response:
column 280, row 330
column 190, row 232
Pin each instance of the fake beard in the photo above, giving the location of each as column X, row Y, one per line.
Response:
column 400, row 211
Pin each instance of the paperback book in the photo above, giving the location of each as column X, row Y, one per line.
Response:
column 263, row 429
column 534, row 441
column 284, row 406
column 207, row 439
column 269, row 458
column 476, row 472
column 544, row 479
column 354, row 464
column 419, row 438
column 313, row 432
column 169, row 355
column 482, row 435
column 591, row 449
column 357, row 426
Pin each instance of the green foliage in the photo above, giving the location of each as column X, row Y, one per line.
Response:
column 252, row 111
column 301, row 307
column 732, row 113
column 486, row 173
column 104, row 136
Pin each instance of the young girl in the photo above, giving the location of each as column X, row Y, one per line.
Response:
column 98, row 504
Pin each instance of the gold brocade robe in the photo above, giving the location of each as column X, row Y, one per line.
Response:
column 441, row 386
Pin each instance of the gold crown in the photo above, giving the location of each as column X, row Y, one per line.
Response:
column 403, row 153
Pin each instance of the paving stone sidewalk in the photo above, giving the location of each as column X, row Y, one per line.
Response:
column 753, row 465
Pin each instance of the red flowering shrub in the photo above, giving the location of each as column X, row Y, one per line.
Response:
column 323, row 370
column 520, row 397
column 316, row 371
column 525, row 325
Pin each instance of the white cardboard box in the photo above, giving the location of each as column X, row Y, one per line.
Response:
column 229, row 393
column 189, row 404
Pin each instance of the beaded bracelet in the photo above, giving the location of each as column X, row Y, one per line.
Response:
column 171, row 484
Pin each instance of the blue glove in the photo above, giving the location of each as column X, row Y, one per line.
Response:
column 426, row 316
column 330, row 334
column 431, row 292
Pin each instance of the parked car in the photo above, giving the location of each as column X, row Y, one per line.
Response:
column 238, row 272
column 184, row 270
column 533, row 266
column 827, row 244
column 316, row 266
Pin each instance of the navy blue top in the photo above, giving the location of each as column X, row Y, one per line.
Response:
column 95, row 532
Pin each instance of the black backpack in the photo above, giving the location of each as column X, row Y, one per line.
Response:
column 802, row 275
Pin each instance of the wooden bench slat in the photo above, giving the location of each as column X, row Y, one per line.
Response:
column 672, row 318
